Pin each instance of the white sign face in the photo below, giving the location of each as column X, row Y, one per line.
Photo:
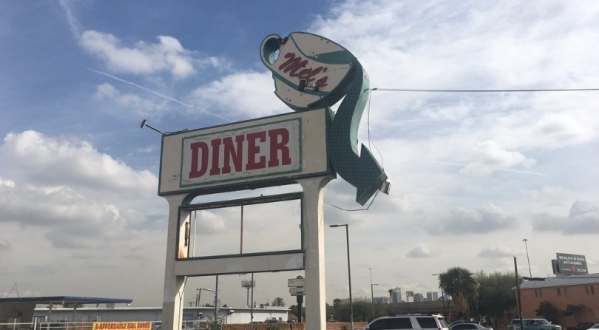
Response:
column 296, row 289
column 258, row 153
column 295, row 282
column 320, row 63
column 243, row 153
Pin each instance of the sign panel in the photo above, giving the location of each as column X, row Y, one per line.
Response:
column 257, row 153
column 572, row 264
column 122, row 325
column 296, row 289
column 296, row 282
column 241, row 153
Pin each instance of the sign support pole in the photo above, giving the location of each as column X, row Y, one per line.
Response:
column 174, row 286
column 314, row 251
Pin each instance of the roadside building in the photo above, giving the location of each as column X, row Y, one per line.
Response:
column 561, row 292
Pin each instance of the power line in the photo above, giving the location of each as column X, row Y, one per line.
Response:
column 483, row 90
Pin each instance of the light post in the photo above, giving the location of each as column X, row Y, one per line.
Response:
column 372, row 297
column 518, row 297
column 351, row 303
column 442, row 296
column 526, row 245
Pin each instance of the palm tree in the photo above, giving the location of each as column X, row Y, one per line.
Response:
column 460, row 284
column 278, row 301
column 390, row 295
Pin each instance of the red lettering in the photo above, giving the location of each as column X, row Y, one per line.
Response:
column 254, row 149
column 195, row 171
column 321, row 82
column 232, row 153
column 277, row 144
column 215, row 169
column 295, row 63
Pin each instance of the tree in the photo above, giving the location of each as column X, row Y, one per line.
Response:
column 362, row 310
column 573, row 310
column 547, row 311
column 390, row 295
column 495, row 295
column 278, row 301
column 460, row 284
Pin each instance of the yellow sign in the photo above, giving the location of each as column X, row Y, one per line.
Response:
column 122, row 325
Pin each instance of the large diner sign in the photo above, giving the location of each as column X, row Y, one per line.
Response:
column 271, row 150
column 245, row 152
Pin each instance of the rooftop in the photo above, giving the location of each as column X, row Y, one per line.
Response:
column 562, row 281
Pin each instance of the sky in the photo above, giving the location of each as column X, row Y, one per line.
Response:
column 472, row 174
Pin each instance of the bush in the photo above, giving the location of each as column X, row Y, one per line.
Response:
column 215, row 325
column 273, row 326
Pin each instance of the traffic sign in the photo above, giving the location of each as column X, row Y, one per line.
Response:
column 296, row 289
column 295, row 282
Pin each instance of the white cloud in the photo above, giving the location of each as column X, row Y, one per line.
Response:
column 67, row 218
column 485, row 219
column 83, row 198
column 489, row 156
column 209, row 223
column 140, row 106
column 559, row 129
column 498, row 252
column 551, row 196
column 4, row 245
column 242, row 94
column 50, row 162
column 424, row 250
column 166, row 55
column 582, row 219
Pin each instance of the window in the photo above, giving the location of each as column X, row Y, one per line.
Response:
column 566, row 292
column 379, row 325
column 536, row 294
column 400, row 323
column 559, row 291
column 540, row 292
column 427, row 322
column 586, row 289
column 592, row 289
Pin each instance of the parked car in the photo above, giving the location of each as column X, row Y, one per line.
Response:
column 583, row 326
column 535, row 324
column 468, row 326
column 596, row 326
column 408, row 321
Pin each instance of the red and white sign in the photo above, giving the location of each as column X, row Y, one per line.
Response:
column 242, row 153
column 245, row 155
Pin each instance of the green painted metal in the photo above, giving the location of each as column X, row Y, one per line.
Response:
column 360, row 170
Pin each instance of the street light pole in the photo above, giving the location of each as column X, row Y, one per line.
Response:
column 372, row 292
column 525, row 244
column 351, row 303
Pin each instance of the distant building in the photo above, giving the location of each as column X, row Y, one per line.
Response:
column 418, row 297
column 432, row 296
column 381, row 300
column 395, row 295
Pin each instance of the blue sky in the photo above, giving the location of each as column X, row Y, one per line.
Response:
column 472, row 174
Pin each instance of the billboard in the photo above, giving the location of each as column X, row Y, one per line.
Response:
column 571, row 264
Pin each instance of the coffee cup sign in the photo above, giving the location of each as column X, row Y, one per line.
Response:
column 310, row 71
column 313, row 72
